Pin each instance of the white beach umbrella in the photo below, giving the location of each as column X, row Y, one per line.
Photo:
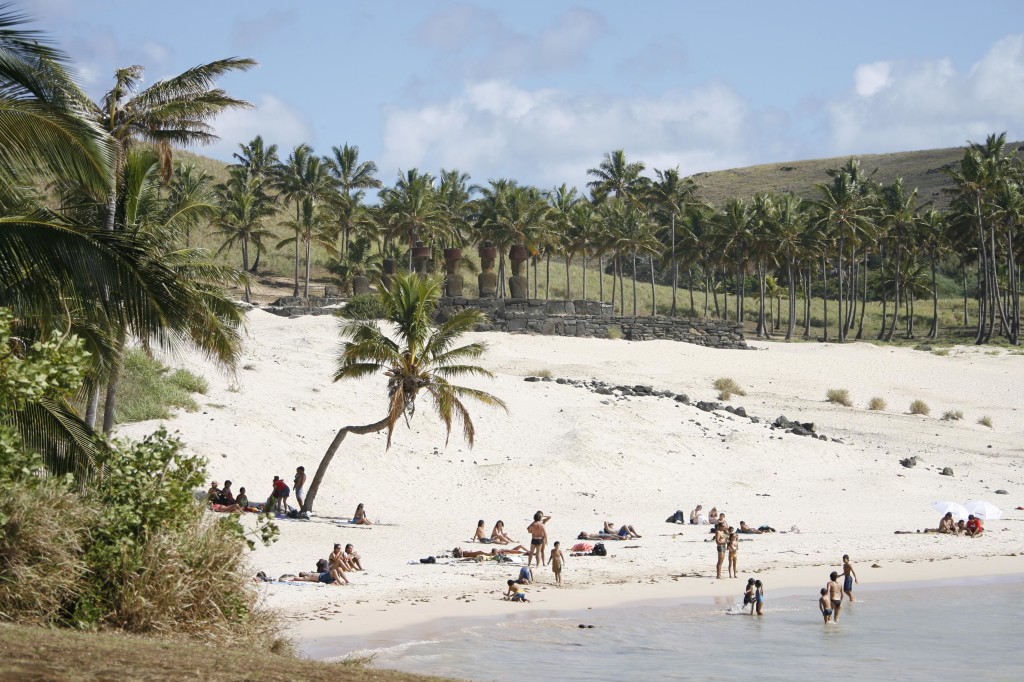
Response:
column 983, row 510
column 959, row 511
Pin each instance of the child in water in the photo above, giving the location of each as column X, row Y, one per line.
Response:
column 825, row 605
column 758, row 597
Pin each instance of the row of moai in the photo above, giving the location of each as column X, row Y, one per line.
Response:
column 454, row 282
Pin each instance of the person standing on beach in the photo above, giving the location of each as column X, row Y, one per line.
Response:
column 849, row 577
column 721, row 540
column 557, row 559
column 835, row 595
column 734, row 548
column 538, row 539
column 300, row 484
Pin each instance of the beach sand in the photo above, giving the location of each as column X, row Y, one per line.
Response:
column 586, row 458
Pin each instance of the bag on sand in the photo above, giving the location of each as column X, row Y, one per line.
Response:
column 678, row 517
column 599, row 550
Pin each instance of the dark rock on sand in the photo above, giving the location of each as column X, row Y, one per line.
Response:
column 532, row 379
column 909, row 462
column 603, row 390
column 1001, row 492
column 740, row 412
column 682, row 398
column 946, row 471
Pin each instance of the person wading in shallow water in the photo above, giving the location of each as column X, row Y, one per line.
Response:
column 721, row 540
column 849, row 577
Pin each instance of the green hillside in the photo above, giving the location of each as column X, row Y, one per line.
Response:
column 920, row 169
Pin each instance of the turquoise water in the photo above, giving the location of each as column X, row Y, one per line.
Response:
column 934, row 632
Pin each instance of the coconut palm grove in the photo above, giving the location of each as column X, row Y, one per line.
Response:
column 113, row 243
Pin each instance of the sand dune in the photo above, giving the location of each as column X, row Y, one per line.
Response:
column 586, row 458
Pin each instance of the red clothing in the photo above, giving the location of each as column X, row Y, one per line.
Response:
column 279, row 485
column 974, row 526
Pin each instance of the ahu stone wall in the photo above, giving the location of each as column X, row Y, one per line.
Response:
column 592, row 319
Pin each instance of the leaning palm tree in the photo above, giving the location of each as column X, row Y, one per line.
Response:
column 421, row 357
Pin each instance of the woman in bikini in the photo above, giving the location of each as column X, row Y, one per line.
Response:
column 498, row 535
column 360, row 516
column 734, row 548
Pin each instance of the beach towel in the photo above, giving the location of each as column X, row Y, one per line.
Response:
column 582, row 547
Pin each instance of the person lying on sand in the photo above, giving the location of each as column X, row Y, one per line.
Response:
column 460, row 553
column 744, row 528
column 321, row 567
column 498, row 534
column 333, row 577
column 478, row 535
column 626, row 532
column 584, row 535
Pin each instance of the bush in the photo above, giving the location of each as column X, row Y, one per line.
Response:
column 727, row 388
column 920, row 407
column 614, row 332
column 364, row 307
column 877, row 404
column 986, row 421
column 41, row 566
column 839, row 396
column 952, row 415
column 149, row 389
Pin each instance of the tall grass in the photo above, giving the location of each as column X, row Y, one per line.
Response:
column 920, row 407
column 150, row 390
column 877, row 404
column 727, row 387
column 839, row 396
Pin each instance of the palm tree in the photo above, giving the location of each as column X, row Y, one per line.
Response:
column 410, row 208
column 304, row 181
column 243, row 210
column 262, row 163
column 669, row 196
column 421, row 357
column 352, row 177
column 618, row 177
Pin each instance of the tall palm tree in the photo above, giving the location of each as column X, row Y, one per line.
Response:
column 243, row 210
column 410, row 208
column 352, row 178
column 669, row 196
column 421, row 357
column 618, row 177
column 262, row 163
column 303, row 180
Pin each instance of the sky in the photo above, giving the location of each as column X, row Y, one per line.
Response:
column 539, row 90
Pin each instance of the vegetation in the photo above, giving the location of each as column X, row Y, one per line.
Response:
column 44, row 653
column 952, row 415
column 840, row 396
column 149, row 390
column 920, row 407
column 986, row 421
column 727, row 388
column 877, row 404
column 423, row 358
column 364, row 307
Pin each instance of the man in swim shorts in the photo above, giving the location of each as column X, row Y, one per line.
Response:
column 835, row 595
column 538, row 539
column 849, row 577
column 721, row 540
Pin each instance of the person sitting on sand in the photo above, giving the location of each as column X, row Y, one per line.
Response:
column 947, row 524
column 460, row 553
column 515, row 592
column 226, row 496
column 337, row 558
column 242, row 500
column 713, row 516
column 974, row 527
column 960, row 527
column 213, row 494
column 722, row 523
column 498, row 534
column 352, row 558
column 696, row 517
column 478, row 535
column 744, row 528
column 360, row 516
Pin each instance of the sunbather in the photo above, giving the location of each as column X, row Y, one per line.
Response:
column 499, row 536
column 478, row 535
column 460, row 553
column 584, row 535
column 360, row 516
column 627, row 531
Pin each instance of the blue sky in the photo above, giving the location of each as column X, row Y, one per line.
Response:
column 538, row 91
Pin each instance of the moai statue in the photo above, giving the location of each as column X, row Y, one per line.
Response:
column 453, row 281
column 389, row 267
column 487, row 280
column 517, row 282
column 421, row 259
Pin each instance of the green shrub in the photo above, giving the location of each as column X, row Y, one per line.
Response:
column 149, row 390
column 920, row 407
column 877, row 404
column 986, row 421
column 614, row 332
column 952, row 415
column 364, row 307
column 840, row 396
column 727, row 388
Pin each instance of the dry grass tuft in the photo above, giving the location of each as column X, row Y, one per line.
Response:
column 986, row 421
column 877, row 404
column 920, row 407
column 952, row 416
column 727, row 388
column 840, row 396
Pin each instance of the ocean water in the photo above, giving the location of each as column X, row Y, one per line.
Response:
column 938, row 631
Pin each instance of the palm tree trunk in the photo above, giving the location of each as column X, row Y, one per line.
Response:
column 547, row 278
column 806, row 277
column 622, row 287
column 824, row 295
column 584, row 273
column 92, row 406
column 675, row 271
column 791, row 322
column 693, row 306
column 895, row 295
column 654, row 299
column 256, row 262
column 963, row 272
column 885, row 291
column 933, row 333
column 840, row 320
column 309, row 247
column 568, row 289
column 501, row 270
column 864, row 300
column 615, row 269
column 296, row 291
column 634, row 282
column 110, row 401
column 245, row 268
column 307, row 504
column 600, row 275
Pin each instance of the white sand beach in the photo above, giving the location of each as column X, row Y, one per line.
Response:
column 586, row 458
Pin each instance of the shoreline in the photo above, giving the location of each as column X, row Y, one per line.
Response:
column 371, row 629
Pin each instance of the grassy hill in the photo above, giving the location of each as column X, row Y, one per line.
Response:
column 920, row 169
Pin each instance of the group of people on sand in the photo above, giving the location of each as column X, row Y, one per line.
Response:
column 831, row 601
column 332, row 570
column 223, row 499
column 498, row 535
column 972, row 527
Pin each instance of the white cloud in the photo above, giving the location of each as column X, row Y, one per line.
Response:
column 925, row 104
column 548, row 136
column 870, row 78
column 157, row 52
column 273, row 119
